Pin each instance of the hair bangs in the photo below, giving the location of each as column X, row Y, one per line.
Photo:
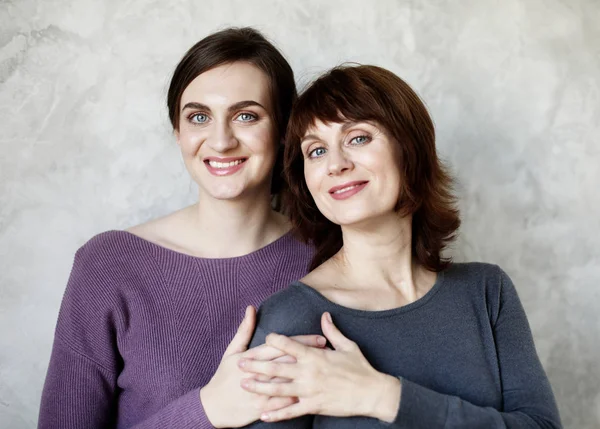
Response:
column 334, row 98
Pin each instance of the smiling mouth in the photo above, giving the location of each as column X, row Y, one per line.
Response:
column 348, row 187
column 224, row 166
column 217, row 164
column 347, row 190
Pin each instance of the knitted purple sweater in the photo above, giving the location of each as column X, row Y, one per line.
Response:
column 142, row 328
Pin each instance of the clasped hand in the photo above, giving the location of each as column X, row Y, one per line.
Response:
column 339, row 382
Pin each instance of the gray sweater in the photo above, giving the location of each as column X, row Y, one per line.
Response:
column 464, row 352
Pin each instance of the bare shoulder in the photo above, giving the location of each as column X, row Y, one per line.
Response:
column 330, row 281
column 325, row 279
column 163, row 231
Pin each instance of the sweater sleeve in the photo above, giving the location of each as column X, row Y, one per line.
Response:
column 184, row 413
column 80, row 385
column 528, row 401
column 81, row 389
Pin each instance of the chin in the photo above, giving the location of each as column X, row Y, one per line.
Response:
column 239, row 185
column 235, row 191
column 348, row 219
column 225, row 193
column 359, row 217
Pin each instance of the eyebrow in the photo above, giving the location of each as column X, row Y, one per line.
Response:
column 233, row 107
column 350, row 124
column 345, row 126
column 245, row 103
column 309, row 137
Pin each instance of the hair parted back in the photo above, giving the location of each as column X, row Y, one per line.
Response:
column 232, row 45
column 370, row 93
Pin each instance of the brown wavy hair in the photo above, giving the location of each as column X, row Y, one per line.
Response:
column 370, row 93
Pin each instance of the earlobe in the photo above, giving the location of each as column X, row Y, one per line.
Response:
column 176, row 134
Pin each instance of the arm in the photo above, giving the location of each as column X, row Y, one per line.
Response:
column 80, row 393
column 222, row 402
column 81, row 390
column 81, row 381
column 528, row 398
column 186, row 412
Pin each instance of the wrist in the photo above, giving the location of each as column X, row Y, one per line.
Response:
column 386, row 398
column 211, row 407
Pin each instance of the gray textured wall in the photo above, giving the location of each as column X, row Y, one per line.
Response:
column 513, row 85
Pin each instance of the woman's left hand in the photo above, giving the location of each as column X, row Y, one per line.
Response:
column 338, row 382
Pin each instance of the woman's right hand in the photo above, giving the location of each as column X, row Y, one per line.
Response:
column 225, row 403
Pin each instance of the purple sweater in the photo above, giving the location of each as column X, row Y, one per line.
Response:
column 142, row 328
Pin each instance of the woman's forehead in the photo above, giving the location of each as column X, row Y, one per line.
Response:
column 229, row 83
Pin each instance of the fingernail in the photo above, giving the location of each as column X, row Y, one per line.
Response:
column 328, row 316
column 265, row 417
column 245, row 384
column 242, row 363
column 321, row 341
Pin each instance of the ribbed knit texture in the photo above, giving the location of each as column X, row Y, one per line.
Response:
column 464, row 352
column 142, row 328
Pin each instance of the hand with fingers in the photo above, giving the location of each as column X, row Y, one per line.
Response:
column 338, row 382
column 228, row 405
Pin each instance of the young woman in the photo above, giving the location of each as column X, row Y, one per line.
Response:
column 422, row 342
column 144, row 335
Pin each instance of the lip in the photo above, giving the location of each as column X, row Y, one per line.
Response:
column 224, row 171
column 356, row 187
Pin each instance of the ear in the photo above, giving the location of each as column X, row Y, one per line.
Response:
column 176, row 134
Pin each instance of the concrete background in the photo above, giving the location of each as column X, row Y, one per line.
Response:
column 513, row 86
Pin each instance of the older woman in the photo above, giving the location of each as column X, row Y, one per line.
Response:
column 422, row 342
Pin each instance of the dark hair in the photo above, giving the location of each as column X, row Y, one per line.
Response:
column 232, row 45
column 370, row 93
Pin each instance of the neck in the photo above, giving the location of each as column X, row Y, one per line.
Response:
column 380, row 255
column 232, row 228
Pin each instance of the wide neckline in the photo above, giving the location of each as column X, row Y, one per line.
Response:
column 254, row 254
column 306, row 289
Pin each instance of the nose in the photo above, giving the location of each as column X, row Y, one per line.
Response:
column 338, row 162
column 222, row 139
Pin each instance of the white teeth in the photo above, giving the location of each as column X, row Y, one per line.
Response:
column 347, row 188
column 216, row 164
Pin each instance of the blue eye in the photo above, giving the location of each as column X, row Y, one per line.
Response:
column 316, row 153
column 360, row 140
column 246, row 117
column 198, row 118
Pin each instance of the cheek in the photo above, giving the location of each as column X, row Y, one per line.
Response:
column 260, row 140
column 190, row 142
column 313, row 176
column 392, row 179
column 310, row 177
